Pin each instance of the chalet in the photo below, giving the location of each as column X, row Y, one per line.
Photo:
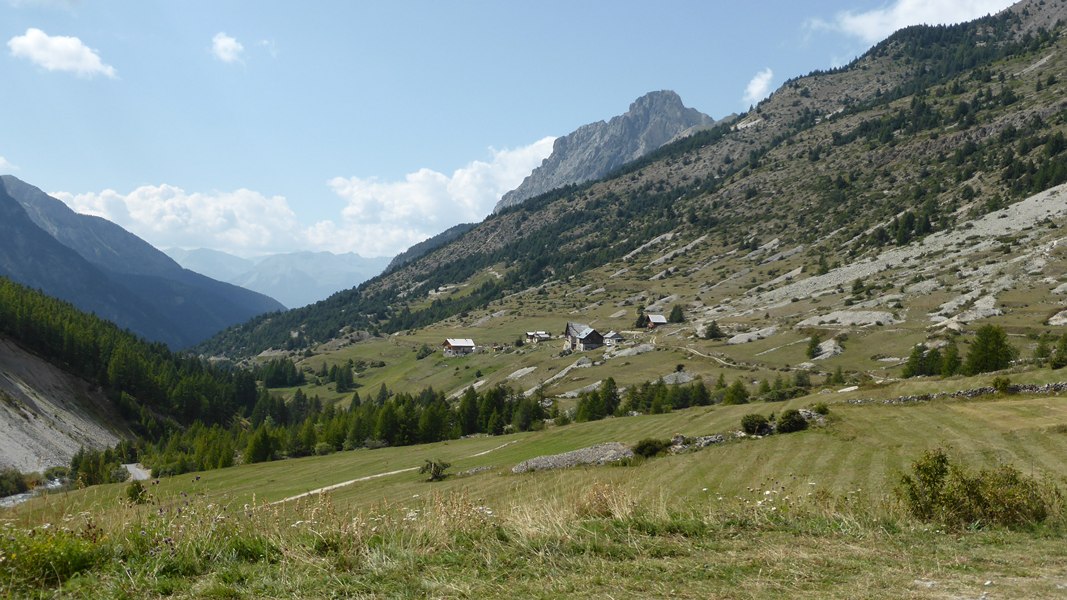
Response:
column 458, row 346
column 653, row 321
column 612, row 337
column 534, row 337
column 581, row 337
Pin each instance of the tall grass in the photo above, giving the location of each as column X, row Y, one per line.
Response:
column 444, row 544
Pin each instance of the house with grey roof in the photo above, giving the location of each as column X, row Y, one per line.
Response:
column 581, row 337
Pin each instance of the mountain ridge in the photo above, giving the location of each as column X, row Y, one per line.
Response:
column 595, row 149
column 166, row 302
column 828, row 164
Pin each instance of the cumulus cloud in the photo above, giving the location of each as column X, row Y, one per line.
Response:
column 877, row 24
column 242, row 222
column 380, row 218
column 5, row 165
column 758, row 88
column 59, row 53
column 426, row 202
column 226, row 48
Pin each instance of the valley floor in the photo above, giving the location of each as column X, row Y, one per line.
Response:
column 810, row 513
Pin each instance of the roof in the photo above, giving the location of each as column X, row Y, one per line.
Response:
column 583, row 332
column 613, row 334
column 537, row 334
column 657, row 318
column 459, row 342
column 588, row 331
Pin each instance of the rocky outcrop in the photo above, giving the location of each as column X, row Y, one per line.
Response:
column 596, row 149
column 600, row 454
column 46, row 415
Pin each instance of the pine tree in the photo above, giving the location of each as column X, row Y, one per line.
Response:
column 989, row 351
column 813, row 345
column 737, row 393
column 676, row 316
column 950, row 361
column 713, row 332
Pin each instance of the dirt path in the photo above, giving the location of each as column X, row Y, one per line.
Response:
column 335, row 486
column 138, row 472
column 721, row 361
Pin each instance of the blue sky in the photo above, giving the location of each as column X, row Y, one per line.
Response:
column 262, row 126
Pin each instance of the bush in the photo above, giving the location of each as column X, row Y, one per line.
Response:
column 12, row 482
column 435, row 469
column 650, row 447
column 136, row 493
column 755, row 424
column 56, row 472
column 42, row 557
column 790, row 421
column 324, row 448
column 940, row 491
column 820, row 408
column 1002, row 385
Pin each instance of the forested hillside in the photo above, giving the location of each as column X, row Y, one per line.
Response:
column 102, row 268
column 152, row 389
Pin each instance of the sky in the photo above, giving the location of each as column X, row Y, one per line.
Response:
column 260, row 126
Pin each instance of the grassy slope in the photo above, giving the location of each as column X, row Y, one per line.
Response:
column 649, row 530
column 863, row 449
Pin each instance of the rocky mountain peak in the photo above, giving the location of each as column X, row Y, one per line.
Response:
column 596, row 149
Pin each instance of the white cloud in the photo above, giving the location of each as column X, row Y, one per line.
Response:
column 384, row 217
column 242, row 222
column 875, row 25
column 379, row 219
column 59, row 53
column 758, row 88
column 226, row 48
column 5, row 165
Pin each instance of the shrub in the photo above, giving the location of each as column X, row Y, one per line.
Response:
column 650, row 447
column 324, row 448
column 435, row 469
column 790, row 421
column 755, row 424
column 136, row 493
column 941, row 491
column 12, row 482
column 43, row 557
column 56, row 472
column 820, row 408
column 1002, row 385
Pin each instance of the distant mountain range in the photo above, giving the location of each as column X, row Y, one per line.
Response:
column 595, row 150
column 295, row 279
column 102, row 268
